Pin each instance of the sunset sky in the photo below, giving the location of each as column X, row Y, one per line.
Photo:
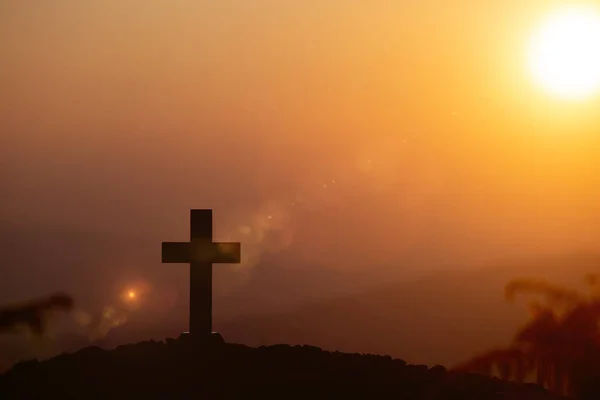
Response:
column 363, row 129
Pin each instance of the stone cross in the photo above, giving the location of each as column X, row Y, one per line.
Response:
column 201, row 252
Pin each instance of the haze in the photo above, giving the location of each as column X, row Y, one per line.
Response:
column 384, row 137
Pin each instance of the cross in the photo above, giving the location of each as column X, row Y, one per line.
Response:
column 201, row 252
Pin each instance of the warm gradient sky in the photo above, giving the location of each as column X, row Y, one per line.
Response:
column 418, row 116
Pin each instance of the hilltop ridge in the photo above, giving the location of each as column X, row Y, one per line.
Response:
column 179, row 367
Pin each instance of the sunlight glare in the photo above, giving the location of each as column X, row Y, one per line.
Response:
column 564, row 53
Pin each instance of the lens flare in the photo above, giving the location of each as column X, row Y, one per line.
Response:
column 134, row 294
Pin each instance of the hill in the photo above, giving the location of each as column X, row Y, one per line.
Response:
column 443, row 319
column 94, row 266
column 178, row 368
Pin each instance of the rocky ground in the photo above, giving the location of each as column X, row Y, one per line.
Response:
column 184, row 368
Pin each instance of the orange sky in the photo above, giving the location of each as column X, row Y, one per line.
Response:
column 124, row 114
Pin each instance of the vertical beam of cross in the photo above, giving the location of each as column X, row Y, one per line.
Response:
column 201, row 252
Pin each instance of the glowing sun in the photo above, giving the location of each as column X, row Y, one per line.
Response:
column 564, row 52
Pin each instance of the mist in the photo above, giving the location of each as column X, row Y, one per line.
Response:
column 387, row 139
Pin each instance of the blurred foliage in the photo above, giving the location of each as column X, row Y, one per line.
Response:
column 559, row 346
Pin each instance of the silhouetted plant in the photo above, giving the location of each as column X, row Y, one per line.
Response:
column 34, row 313
column 560, row 344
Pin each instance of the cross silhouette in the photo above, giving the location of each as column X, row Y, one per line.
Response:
column 200, row 252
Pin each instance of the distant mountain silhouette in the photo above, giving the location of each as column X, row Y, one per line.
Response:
column 437, row 320
column 180, row 369
column 90, row 263
column 38, row 259
column 442, row 319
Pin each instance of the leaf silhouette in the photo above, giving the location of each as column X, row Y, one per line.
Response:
column 559, row 345
column 34, row 314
